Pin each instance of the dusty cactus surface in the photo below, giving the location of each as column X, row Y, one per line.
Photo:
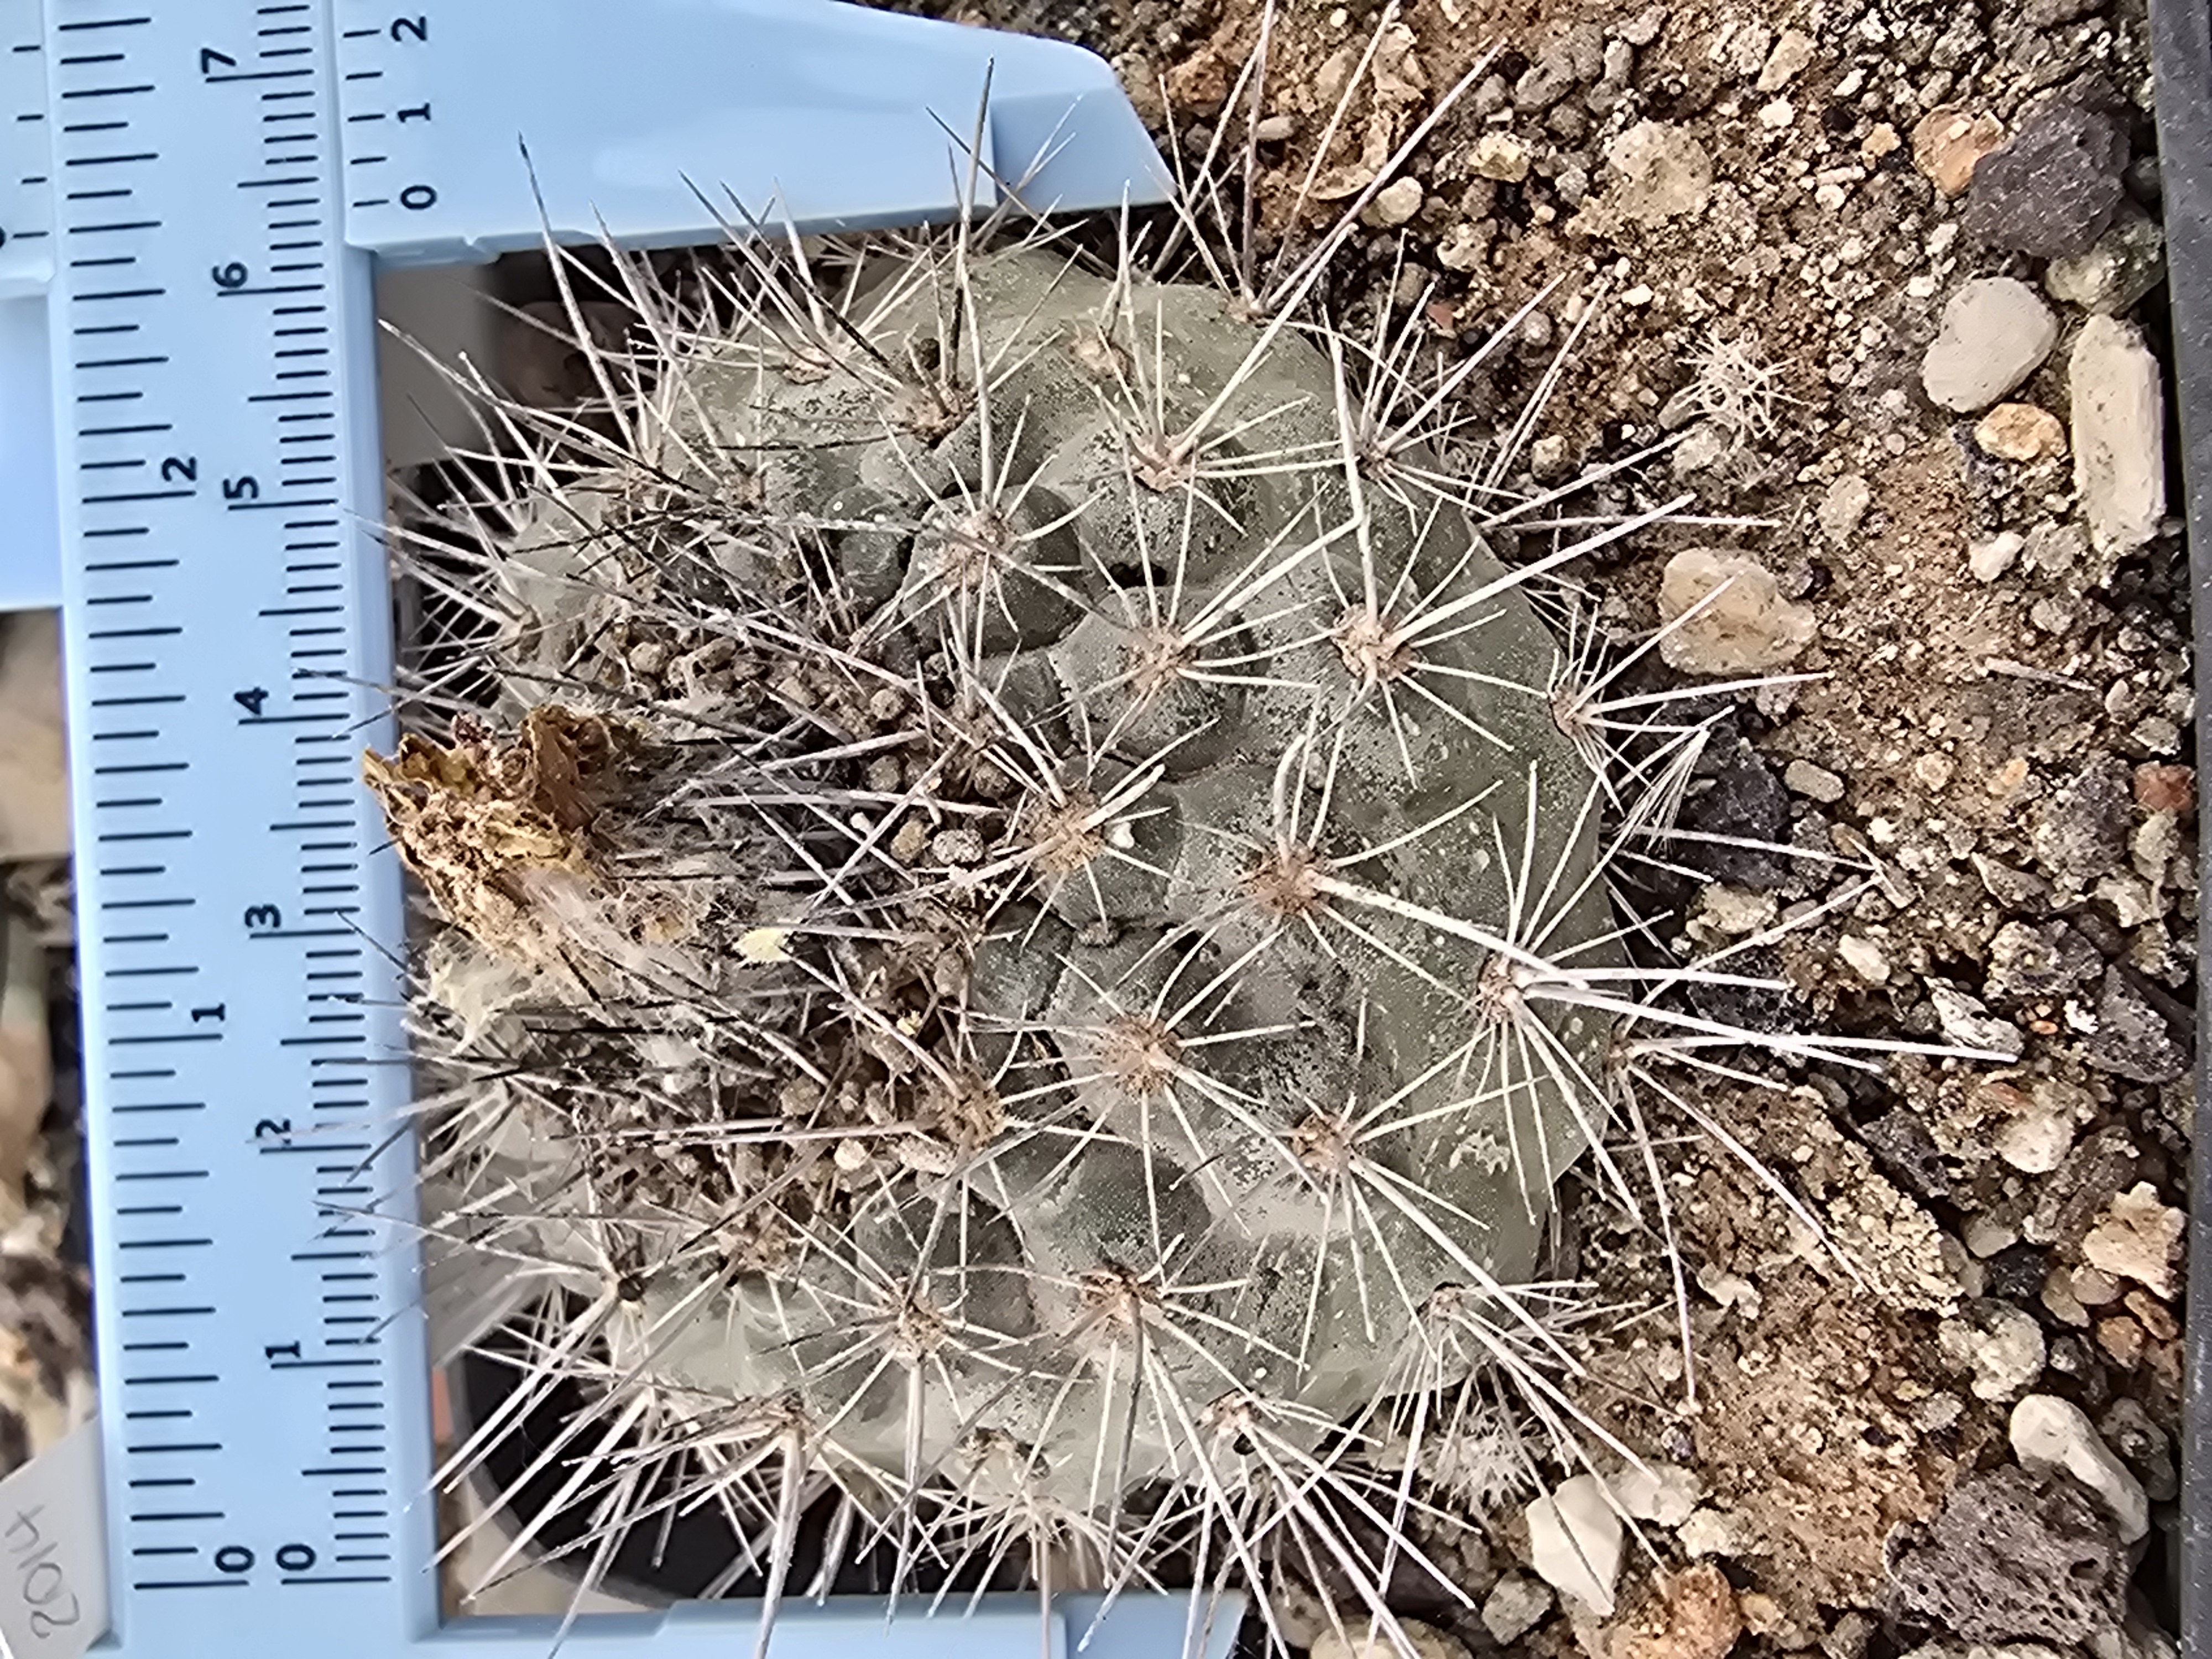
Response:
column 983, row 938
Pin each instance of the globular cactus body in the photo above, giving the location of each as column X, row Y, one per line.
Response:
column 1005, row 908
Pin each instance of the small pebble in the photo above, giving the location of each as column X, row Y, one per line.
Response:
column 1863, row 958
column 1801, row 777
column 1500, row 156
column 961, row 846
column 1932, row 771
column 1274, row 128
column 2036, row 1140
column 2138, row 1237
column 1743, row 625
column 2049, row 1433
column 1791, row 53
column 2093, row 1287
column 2020, row 431
column 1710, row 1531
column 1842, row 505
column 2163, row 788
column 1984, row 1235
column 1701, row 446
column 2002, row 1345
column 1514, row 1606
column 1661, row 1493
column 2055, row 549
column 2119, row 435
column 1395, row 203
column 2122, row 1340
column 1966, row 1023
column 1643, row 29
column 1950, row 141
column 1465, row 246
column 2054, row 188
column 1574, row 1542
column 2128, row 261
column 1988, row 561
column 2059, row 1298
column 1660, row 172
column 1996, row 332
column 1694, row 1616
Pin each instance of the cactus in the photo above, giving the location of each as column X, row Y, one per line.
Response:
column 1027, row 926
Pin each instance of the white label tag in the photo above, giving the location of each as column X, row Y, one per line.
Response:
column 53, row 1552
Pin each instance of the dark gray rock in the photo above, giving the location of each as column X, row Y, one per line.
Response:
column 1908, row 1153
column 2081, row 831
column 2140, row 1444
column 2077, row 1191
column 2016, row 1273
column 1745, row 802
column 2013, row 1557
column 2133, row 1037
column 2054, row 188
column 2044, row 961
column 2021, row 890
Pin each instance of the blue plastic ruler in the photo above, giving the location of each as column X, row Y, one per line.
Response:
column 193, row 194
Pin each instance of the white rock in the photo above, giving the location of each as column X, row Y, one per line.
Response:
column 1500, row 156
column 1664, row 1494
column 2051, row 1433
column 2133, row 1640
column 1395, row 203
column 1700, row 447
column 2002, row 1345
column 2119, row 435
column 1710, row 1531
column 1790, row 55
column 1732, row 912
column 1989, row 560
column 2053, row 550
column 1463, row 247
column 2128, row 261
column 1574, row 1542
column 1969, row 1023
column 1661, row 173
column 1801, row 777
column 1984, row 1235
column 2037, row 1141
column 2138, row 1237
column 1996, row 332
column 1426, row 1640
column 1742, row 623
column 1514, row 1607
column 1863, row 958
column 1842, row 506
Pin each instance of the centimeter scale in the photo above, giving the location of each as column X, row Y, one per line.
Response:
column 193, row 196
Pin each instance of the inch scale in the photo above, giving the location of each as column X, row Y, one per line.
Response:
column 194, row 195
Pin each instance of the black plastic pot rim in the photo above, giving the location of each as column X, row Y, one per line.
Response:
column 2181, row 52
